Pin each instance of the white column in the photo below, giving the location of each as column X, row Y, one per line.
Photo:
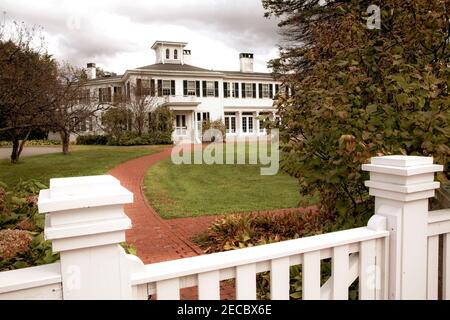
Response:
column 239, row 128
column 86, row 222
column 401, row 186
column 257, row 123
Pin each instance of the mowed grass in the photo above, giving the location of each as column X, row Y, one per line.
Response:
column 82, row 161
column 188, row 190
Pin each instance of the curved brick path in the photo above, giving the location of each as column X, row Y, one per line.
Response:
column 159, row 240
column 153, row 237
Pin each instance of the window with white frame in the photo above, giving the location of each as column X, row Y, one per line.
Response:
column 145, row 87
column 235, row 90
column 248, row 87
column 230, row 122
column 166, row 87
column 265, row 90
column 227, row 89
column 167, row 54
column 210, row 89
column 175, row 54
column 247, row 122
column 263, row 118
column 191, row 88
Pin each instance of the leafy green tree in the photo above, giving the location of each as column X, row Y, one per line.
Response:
column 116, row 121
column 27, row 80
column 161, row 120
column 359, row 92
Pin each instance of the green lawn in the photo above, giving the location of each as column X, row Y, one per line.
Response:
column 82, row 161
column 194, row 190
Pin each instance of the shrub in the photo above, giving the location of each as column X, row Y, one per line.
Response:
column 161, row 120
column 245, row 230
column 31, row 143
column 217, row 125
column 22, row 241
column 133, row 139
column 92, row 139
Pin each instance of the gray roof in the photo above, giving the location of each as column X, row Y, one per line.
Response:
column 239, row 73
column 187, row 67
column 172, row 67
column 117, row 78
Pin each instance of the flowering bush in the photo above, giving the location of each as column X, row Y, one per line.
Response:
column 22, row 241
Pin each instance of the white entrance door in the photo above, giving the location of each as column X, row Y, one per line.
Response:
column 180, row 128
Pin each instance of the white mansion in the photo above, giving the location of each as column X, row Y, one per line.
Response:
column 195, row 94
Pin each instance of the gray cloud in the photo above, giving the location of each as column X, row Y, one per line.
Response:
column 110, row 30
column 238, row 23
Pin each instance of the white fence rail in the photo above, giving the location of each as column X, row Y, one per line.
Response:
column 399, row 254
column 438, row 228
column 39, row 283
column 357, row 252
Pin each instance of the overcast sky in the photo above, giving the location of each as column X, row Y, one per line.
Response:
column 117, row 34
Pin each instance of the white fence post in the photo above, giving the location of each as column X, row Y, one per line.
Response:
column 85, row 222
column 401, row 186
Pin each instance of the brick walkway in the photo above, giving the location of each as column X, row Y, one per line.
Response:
column 155, row 241
column 158, row 240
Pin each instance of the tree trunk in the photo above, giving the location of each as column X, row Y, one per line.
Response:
column 22, row 143
column 65, row 139
column 15, row 150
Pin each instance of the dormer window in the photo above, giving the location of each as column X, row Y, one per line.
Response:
column 175, row 54
column 167, row 54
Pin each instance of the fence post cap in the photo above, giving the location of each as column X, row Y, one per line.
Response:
column 403, row 178
column 82, row 192
column 84, row 212
column 402, row 165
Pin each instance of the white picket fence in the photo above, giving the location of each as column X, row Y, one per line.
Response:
column 395, row 257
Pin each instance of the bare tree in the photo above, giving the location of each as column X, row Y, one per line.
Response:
column 74, row 103
column 141, row 104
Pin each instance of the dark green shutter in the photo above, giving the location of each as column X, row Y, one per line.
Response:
column 152, row 87
column 260, row 90
column 277, row 88
column 216, row 88
column 225, row 89
column 138, row 87
column 271, row 91
column 172, row 88
column 185, row 91
column 254, row 90
column 197, row 88
column 243, row 90
column 204, row 88
column 160, row 88
column 236, row 89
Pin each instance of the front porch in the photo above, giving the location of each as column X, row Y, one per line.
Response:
column 184, row 122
